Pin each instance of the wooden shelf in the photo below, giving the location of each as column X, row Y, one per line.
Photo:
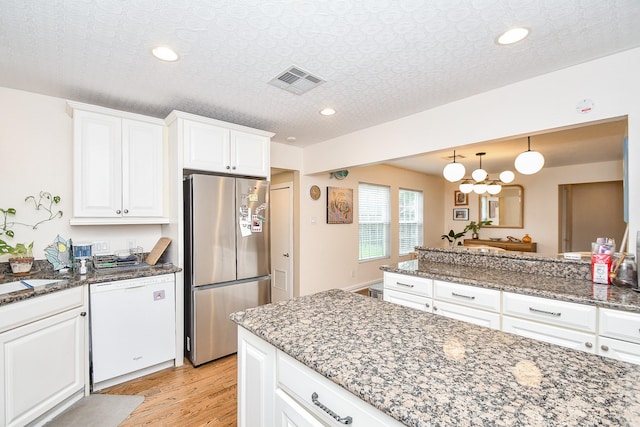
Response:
column 506, row 245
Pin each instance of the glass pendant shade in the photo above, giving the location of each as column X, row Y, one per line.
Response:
column 479, row 175
column 480, row 188
column 494, row 188
column 507, row 176
column 453, row 172
column 466, row 186
column 529, row 162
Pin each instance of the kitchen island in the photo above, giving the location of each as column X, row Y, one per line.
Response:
column 422, row 369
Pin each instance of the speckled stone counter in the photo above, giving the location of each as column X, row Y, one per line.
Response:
column 429, row 370
column 43, row 270
column 524, row 274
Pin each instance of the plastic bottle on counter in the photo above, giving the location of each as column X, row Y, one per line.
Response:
column 83, row 266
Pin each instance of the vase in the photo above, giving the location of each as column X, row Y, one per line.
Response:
column 474, row 235
column 526, row 239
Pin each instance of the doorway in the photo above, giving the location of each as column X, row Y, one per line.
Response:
column 588, row 211
column 281, row 242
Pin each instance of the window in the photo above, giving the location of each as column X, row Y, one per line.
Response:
column 373, row 221
column 410, row 205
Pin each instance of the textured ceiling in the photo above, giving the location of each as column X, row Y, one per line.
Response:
column 381, row 59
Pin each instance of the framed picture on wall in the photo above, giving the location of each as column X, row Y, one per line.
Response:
column 339, row 205
column 460, row 198
column 461, row 214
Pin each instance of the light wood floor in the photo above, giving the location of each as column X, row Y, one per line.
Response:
column 185, row 396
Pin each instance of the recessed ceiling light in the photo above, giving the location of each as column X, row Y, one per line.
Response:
column 327, row 111
column 165, row 53
column 513, row 35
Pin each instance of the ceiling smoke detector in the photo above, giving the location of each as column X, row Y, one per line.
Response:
column 296, row 80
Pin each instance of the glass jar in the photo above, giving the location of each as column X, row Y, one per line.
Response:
column 627, row 274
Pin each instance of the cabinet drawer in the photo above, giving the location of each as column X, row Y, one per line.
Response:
column 409, row 300
column 558, row 313
column 411, row 284
column 551, row 334
column 466, row 314
column 620, row 324
column 471, row 296
column 620, row 350
column 306, row 385
column 36, row 308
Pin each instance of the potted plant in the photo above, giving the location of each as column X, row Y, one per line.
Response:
column 474, row 227
column 22, row 256
column 452, row 237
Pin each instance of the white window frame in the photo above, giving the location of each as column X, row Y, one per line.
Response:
column 374, row 210
column 416, row 223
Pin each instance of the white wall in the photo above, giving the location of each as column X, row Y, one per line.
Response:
column 329, row 252
column 36, row 145
column 540, row 203
column 534, row 105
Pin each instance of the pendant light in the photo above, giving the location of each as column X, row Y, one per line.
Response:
column 507, row 176
column 466, row 186
column 480, row 187
column 453, row 171
column 479, row 174
column 529, row 162
column 494, row 187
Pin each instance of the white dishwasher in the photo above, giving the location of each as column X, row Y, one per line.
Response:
column 133, row 328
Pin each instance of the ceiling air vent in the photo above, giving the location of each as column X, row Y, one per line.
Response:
column 296, row 80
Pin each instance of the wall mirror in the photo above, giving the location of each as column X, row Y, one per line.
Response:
column 505, row 209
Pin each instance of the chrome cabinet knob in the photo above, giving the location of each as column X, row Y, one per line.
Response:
column 228, row 167
column 126, row 211
column 83, row 314
column 435, row 308
column 118, row 211
column 426, row 304
column 604, row 347
column 588, row 345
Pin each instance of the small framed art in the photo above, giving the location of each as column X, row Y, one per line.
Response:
column 461, row 214
column 460, row 198
column 339, row 205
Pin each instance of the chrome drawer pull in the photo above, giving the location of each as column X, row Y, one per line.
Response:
column 535, row 310
column 404, row 284
column 462, row 296
column 345, row 420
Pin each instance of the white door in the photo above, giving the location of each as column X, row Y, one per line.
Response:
column 281, row 242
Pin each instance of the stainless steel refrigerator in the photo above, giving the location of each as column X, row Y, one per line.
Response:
column 226, row 259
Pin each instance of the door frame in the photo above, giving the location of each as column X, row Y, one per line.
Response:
column 280, row 186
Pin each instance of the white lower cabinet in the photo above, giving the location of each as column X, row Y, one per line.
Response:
column 296, row 395
column 466, row 314
column 557, row 322
column 552, row 334
column 472, row 304
column 619, row 335
column 43, row 360
column 409, row 300
column 256, row 380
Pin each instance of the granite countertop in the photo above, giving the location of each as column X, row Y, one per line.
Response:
column 427, row 370
column 43, row 271
column 528, row 283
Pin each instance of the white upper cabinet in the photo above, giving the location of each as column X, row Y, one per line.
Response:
column 214, row 146
column 118, row 167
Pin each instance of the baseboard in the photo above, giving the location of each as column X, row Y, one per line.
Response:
column 361, row 286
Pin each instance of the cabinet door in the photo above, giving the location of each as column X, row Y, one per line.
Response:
column 41, row 365
column 551, row 334
column 467, row 314
column 142, row 169
column 290, row 414
column 249, row 154
column 256, row 380
column 97, row 178
column 619, row 324
column 408, row 300
column 621, row 350
column 206, row 147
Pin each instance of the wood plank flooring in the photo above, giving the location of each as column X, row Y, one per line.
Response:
column 185, row 396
